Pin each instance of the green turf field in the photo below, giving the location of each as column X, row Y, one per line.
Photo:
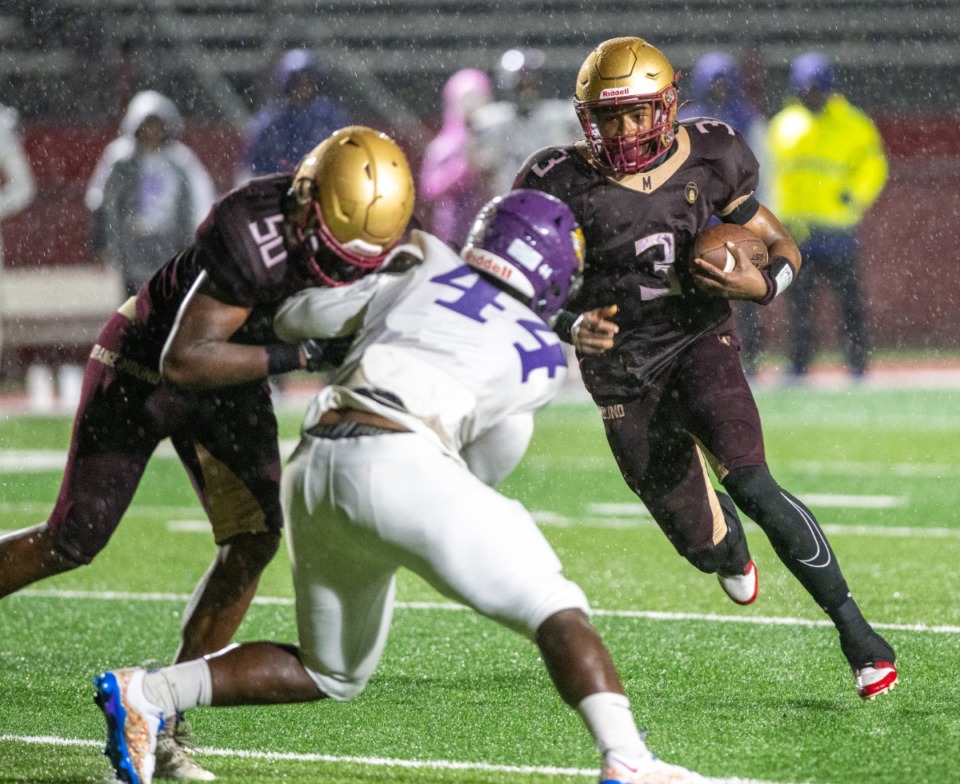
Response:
column 740, row 694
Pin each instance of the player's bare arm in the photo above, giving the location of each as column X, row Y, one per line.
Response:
column 745, row 281
column 778, row 240
column 199, row 354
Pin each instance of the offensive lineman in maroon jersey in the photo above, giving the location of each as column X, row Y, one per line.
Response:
column 188, row 358
column 672, row 392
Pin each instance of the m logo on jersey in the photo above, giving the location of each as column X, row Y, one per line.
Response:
column 691, row 191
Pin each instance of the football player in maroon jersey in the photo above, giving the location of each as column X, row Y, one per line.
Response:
column 672, row 393
column 188, row 358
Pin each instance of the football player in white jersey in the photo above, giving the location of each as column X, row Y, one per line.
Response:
column 433, row 404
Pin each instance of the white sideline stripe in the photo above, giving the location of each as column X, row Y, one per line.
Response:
column 835, row 500
column 650, row 615
column 25, row 460
column 50, row 740
column 639, row 517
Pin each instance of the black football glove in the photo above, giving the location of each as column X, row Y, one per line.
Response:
column 322, row 355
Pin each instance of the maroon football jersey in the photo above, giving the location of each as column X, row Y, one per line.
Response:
column 242, row 248
column 639, row 233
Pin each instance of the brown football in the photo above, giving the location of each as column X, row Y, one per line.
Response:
column 711, row 246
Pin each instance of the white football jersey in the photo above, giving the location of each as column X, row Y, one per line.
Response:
column 438, row 350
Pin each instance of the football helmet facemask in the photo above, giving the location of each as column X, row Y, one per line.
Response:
column 627, row 72
column 350, row 203
column 530, row 243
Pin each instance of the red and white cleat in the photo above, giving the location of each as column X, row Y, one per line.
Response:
column 875, row 679
column 741, row 588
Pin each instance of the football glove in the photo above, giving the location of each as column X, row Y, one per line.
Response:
column 324, row 355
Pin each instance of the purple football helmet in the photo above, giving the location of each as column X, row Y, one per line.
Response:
column 531, row 244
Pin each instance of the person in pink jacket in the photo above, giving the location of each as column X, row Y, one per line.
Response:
column 449, row 189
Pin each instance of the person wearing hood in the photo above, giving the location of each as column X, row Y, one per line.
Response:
column 148, row 192
column 829, row 167
column 449, row 184
column 718, row 93
column 291, row 125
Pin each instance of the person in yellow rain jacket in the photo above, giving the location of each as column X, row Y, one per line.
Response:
column 828, row 167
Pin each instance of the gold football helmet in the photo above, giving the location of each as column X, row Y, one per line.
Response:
column 627, row 72
column 355, row 191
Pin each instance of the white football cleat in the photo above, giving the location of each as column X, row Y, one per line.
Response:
column 648, row 769
column 132, row 724
column 741, row 588
column 875, row 679
column 173, row 761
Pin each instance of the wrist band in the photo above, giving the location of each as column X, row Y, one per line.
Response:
column 778, row 275
column 563, row 323
column 282, row 358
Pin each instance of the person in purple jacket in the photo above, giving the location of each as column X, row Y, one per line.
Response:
column 288, row 127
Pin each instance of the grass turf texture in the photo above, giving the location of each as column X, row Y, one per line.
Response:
column 765, row 701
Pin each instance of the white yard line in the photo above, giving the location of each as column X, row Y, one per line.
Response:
column 636, row 516
column 650, row 615
column 49, row 740
column 613, row 516
column 27, row 460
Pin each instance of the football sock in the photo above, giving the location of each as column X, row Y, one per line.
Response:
column 179, row 687
column 858, row 641
column 610, row 721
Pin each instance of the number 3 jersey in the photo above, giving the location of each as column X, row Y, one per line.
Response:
column 241, row 248
column 438, row 349
column 639, row 236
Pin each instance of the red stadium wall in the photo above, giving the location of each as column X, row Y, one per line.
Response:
column 909, row 238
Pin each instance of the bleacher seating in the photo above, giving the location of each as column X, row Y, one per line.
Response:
column 409, row 46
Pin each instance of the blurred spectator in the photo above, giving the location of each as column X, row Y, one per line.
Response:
column 719, row 93
column 17, row 184
column 828, row 168
column 295, row 120
column 505, row 133
column 449, row 186
column 148, row 192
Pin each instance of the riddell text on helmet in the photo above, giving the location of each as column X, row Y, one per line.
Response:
column 490, row 263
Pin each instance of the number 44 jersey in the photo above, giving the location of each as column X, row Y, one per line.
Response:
column 639, row 233
column 440, row 350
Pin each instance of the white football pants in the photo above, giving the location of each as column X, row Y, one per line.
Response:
column 357, row 509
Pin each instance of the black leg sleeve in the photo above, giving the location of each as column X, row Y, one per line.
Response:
column 793, row 531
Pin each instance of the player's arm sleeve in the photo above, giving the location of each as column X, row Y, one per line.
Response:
column 739, row 168
column 324, row 312
column 493, row 455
